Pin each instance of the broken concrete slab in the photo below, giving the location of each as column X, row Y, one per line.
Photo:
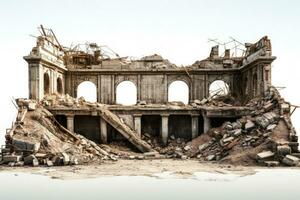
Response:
column 23, row 145
column 11, row 158
column 266, row 155
column 283, row 150
column 290, row 160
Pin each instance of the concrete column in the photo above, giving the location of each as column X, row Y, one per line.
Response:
column 103, row 130
column 195, row 125
column 70, row 123
column 138, row 124
column 164, row 128
column 207, row 124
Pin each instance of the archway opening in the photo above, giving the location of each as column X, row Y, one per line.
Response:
column 59, row 86
column 178, row 91
column 126, row 93
column 218, row 88
column 46, row 83
column 87, row 90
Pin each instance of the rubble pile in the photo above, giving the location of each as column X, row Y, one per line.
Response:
column 265, row 136
column 36, row 138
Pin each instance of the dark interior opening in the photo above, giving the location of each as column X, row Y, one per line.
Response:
column 88, row 126
column 218, row 121
column 151, row 125
column 62, row 119
column 46, row 84
column 180, row 126
column 200, row 125
column 59, row 85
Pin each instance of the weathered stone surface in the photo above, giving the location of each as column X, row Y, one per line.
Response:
column 283, row 150
column 66, row 158
column 290, row 160
column 249, row 125
column 265, row 155
column 11, row 158
column 26, row 145
column 210, row 157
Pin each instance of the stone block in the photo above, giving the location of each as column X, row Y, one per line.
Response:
column 29, row 159
column 283, row 150
column 25, row 145
column 290, row 160
column 229, row 139
column 210, row 157
column 11, row 158
column 66, row 158
column 266, row 155
column 249, row 125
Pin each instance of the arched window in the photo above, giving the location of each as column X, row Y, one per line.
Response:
column 178, row 91
column 126, row 93
column 88, row 90
column 46, row 83
column 59, row 86
column 218, row 88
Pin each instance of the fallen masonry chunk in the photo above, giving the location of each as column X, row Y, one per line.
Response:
column 271, row 163
column 28, row 160
column 265, row 155
column 11, row 158
column 266, row 119
column 290, row 160
column 229, row 139
column 35, row 162
column 210, row 157
column 66, row 158
column 271, row 127
column 237, row 132
column 49, row 163
column 203, row 146
column 249, row 125
column 283, row 150
column 187, row 148
column 26, row 145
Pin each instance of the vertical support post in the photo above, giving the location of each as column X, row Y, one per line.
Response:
column 103, row 130
column 195, row 125
column 207, row 124
column 164, row 128
column 138, row 124
column 70, row 123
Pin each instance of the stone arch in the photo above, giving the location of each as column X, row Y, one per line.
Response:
column 218, row 88
column 88, row 90
column 126, row 93
column 46, row 83
column 59, row 85
column 179, row 90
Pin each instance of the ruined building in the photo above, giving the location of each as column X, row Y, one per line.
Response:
column 250, row 119
column 53, row 70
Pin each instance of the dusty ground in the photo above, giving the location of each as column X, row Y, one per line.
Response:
column 177, row 168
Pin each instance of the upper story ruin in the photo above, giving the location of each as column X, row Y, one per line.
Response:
column 56, row 69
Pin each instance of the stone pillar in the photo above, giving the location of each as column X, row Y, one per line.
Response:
column 138, row 124
column 164, row 128
column 103, row 130
column 70, row 123
column 195, row 125
column 207, row 124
